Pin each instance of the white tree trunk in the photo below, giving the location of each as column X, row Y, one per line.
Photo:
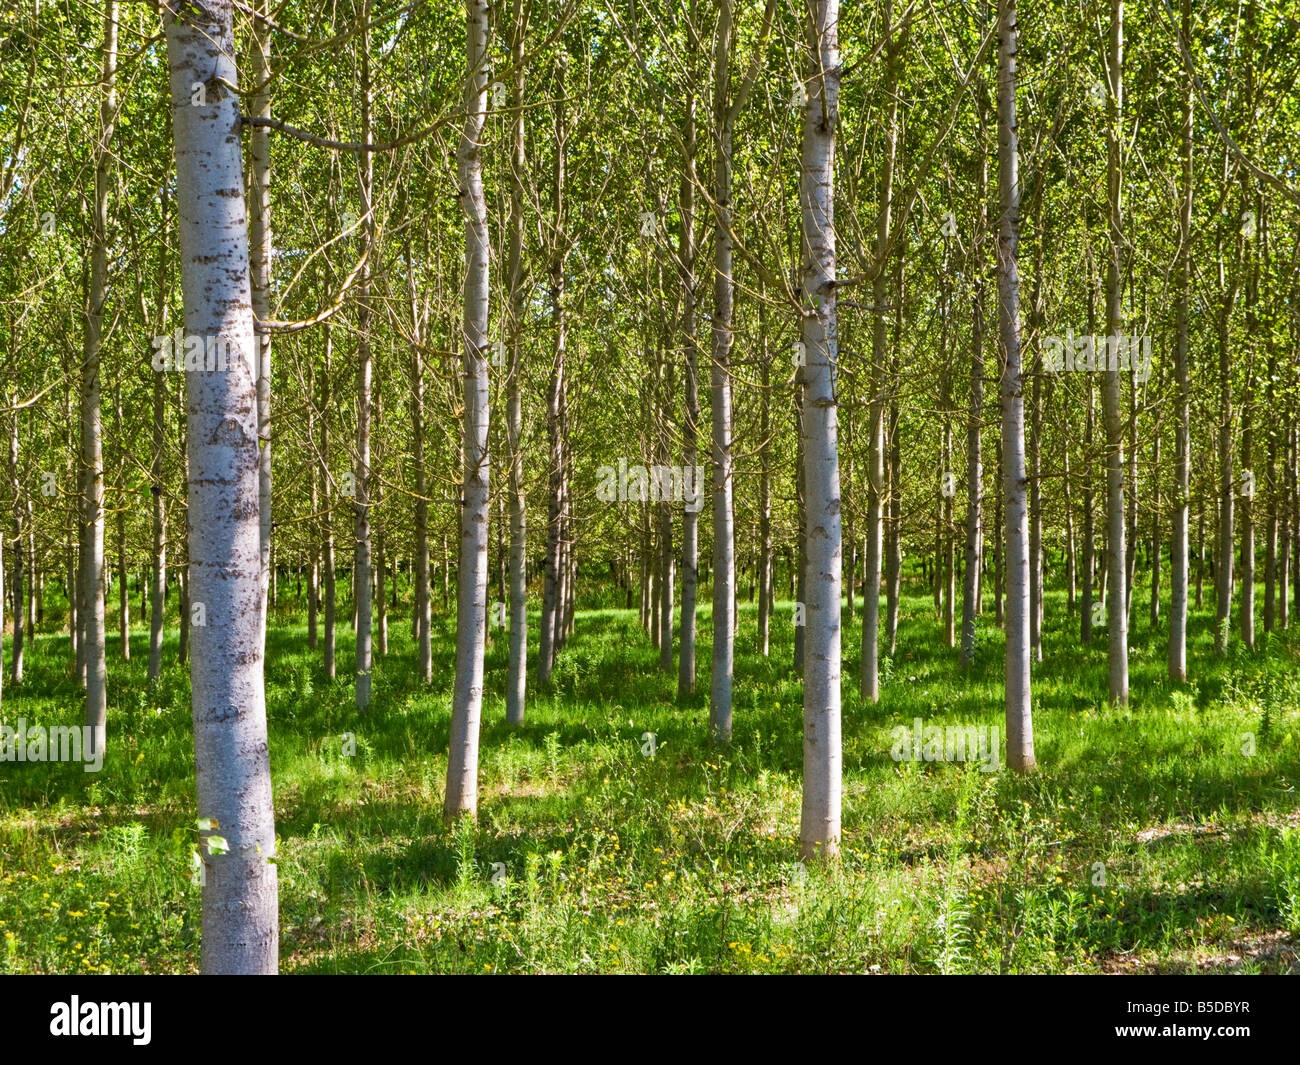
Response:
column 1182, row 398
column 819, row 829
column 1020, row 728
column 90, row 583
column 158, row 572
column 240, row 924
column 724, row 539
column 362, row 600
column 472, row 574
column 517, row 670
column 1116, row 561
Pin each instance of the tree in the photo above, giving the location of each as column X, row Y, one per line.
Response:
column 1116, row 576
column 90, row 583
column 472, row 571
column 1020, row 728
column 819, row 824
column 240, row 891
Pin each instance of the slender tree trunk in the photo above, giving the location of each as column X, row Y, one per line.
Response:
column 1020, row 728
column 361, row 596
column 517, row 669
column 686, row 255
column 765, row 574
column 998, row 552
column 553, row 584
column 20, row 608
column 1182, row 398
column 1284, row 532
column 975, row 422
column 799, row 572
column 894, row 544
column 327, row 517
column 381, row 594
column 724, row 532
column 870, row 665
column 1247, row 481
column 819, row 824
column 472, row 576
column 260, row 258
column 158, row 589
column 1035, row 448
column 240, row 924
column 1156, row 546
column 1117, row 601
column 90, row 586
column 123, row 584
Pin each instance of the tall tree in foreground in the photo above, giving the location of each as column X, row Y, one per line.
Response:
column 260, row 251
column 819, row 825
column 686, row 251
column 1112, row 415
column 1182, row 404
column 90, row 580
column 1020, row 726
column 516, row 673
column 361, row 599
column 724, row 531
column 232, row 764
column 472, row 570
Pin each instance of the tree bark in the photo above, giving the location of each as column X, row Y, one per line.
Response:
column 869, row 681
column 240, row 923
column 472, row 576
column 1117, row 598
column 90, row 585
column 975, row 422
column 361, row 595
column 517, row 668
column 1182, row 398
column 1020, row 728
column 819, row 825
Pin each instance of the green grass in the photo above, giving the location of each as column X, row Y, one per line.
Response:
column 1146, row 841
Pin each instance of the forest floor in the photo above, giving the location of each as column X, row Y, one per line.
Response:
column 1148, row 840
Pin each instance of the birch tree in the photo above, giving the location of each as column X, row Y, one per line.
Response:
column 90, row 582
column 1116, row 594
column 1020, row 728
column 240, row 889
column 472, row 570
column 819, row 825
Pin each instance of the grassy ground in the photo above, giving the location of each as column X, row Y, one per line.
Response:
column 1148, row 840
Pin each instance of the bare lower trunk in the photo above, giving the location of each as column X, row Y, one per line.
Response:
column 240, row 924
column 819, row 823
column 90, row 585
column 686, row 252
column 158, row 585
column 1178, row 545
column 869, row 682
column 472, row 575
column 361, row 595
column 260, row 258
column 974, row 423
column 517, row 669
column 1117, row 597
column 1020, row 729
column 724, row 533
